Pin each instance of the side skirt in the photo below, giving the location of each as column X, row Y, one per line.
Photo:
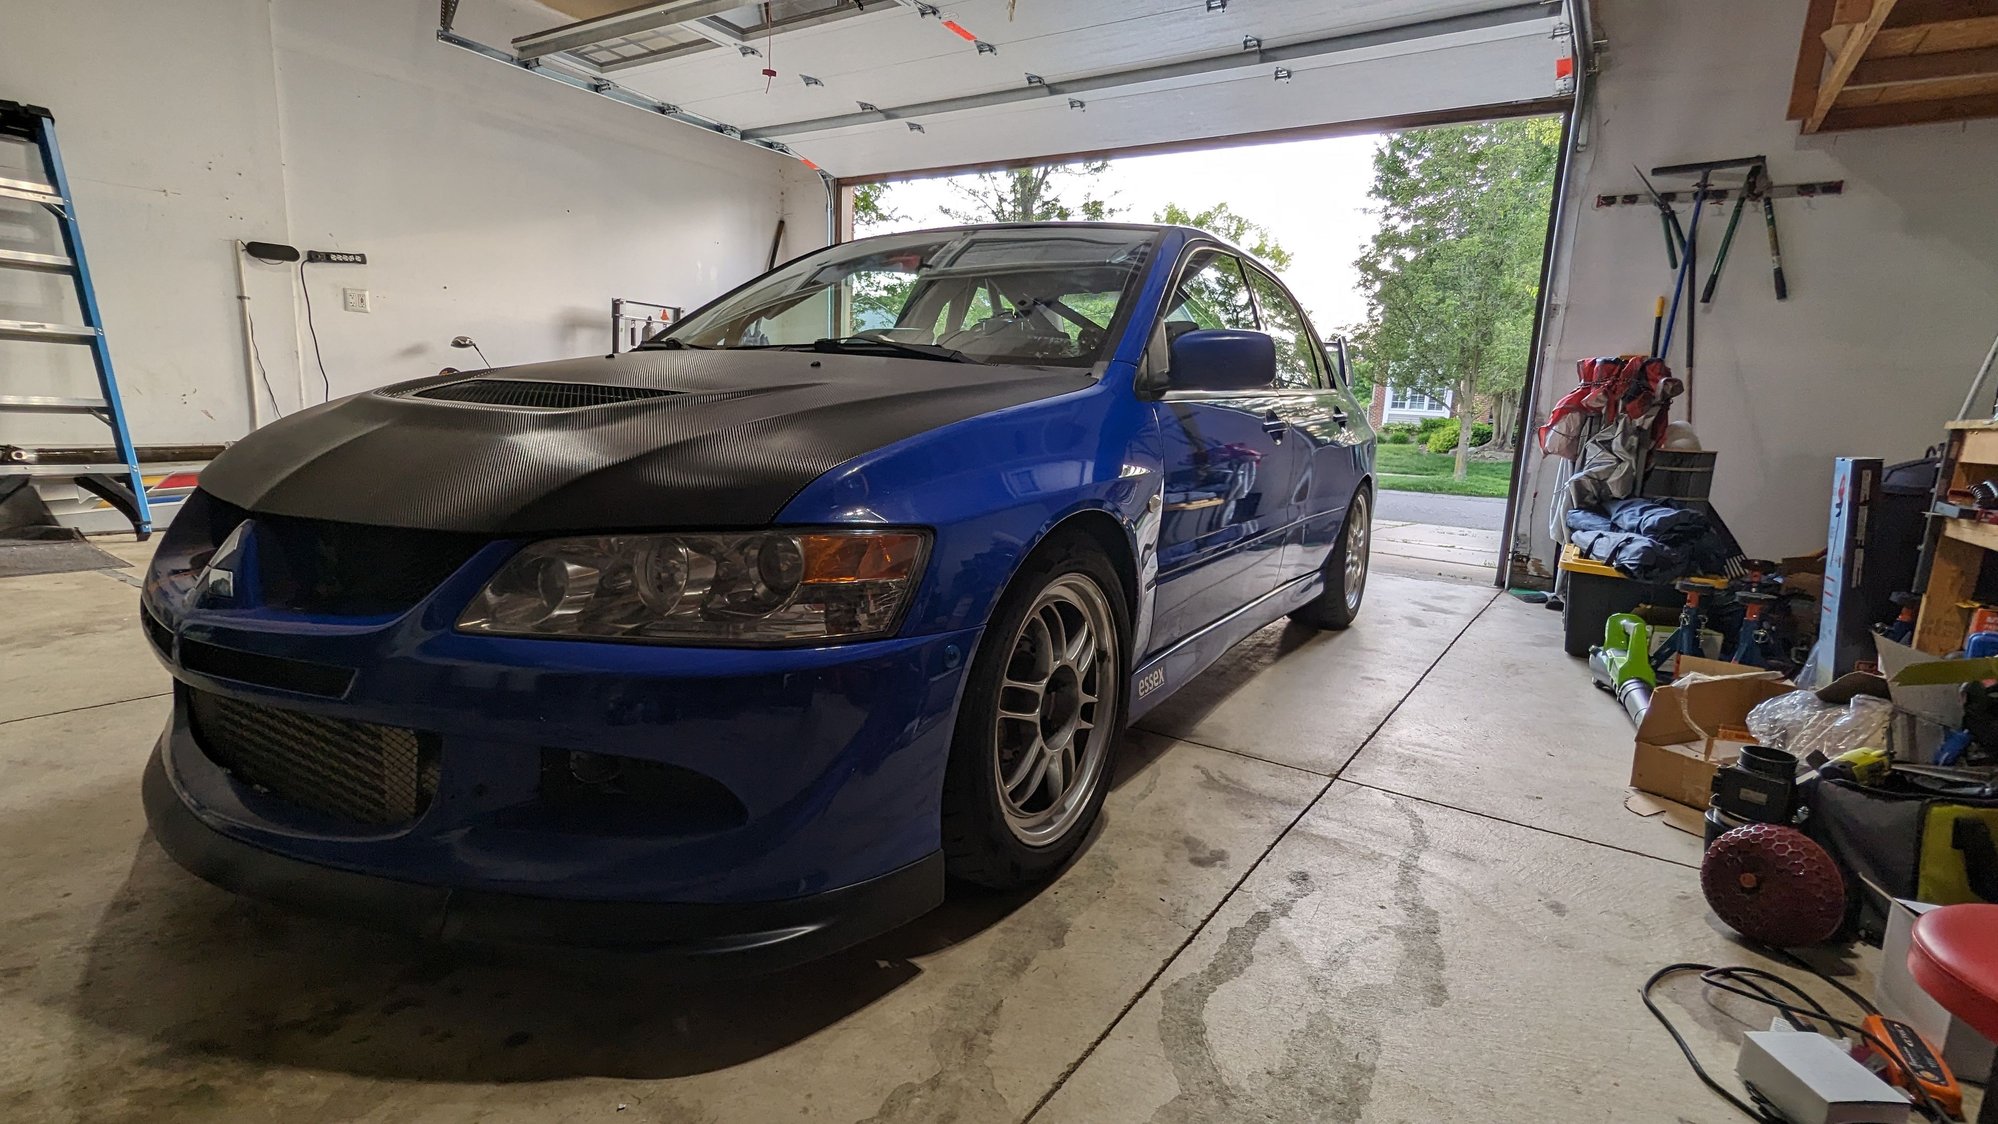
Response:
column 1173, row 668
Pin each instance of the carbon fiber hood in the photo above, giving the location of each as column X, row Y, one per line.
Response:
column 738, row 434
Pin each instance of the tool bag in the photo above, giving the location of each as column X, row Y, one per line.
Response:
column 1910, row 836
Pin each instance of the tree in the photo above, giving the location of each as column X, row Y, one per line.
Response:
column 1222, row 220
column 871, row 207
column 1452, row 277
column 1036, row 194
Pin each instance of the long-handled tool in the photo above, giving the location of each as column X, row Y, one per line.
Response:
column 1668, row 221
column 1657, row 325
column 1689, row 260
column 1727, row 238
column 1775, row 247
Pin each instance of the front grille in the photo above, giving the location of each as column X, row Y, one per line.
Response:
column 356, row 771
column 346, row 569
column 523, row 394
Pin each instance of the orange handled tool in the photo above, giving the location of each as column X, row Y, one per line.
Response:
column 1914, row 1063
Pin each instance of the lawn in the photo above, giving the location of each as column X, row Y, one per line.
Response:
column 1411, row 468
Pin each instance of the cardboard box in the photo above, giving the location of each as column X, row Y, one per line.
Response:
column 1897, row 994
column 1682, row 741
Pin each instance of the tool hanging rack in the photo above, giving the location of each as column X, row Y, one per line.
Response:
column 1723, row 194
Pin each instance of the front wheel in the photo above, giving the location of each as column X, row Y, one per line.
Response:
column 1042, row 711
column 1345, row 571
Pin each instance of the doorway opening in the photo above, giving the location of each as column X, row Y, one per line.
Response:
column 1420, row 247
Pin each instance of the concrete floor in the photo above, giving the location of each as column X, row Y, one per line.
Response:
column 1383, row 875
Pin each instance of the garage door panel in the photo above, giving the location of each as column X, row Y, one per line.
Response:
column 1437, row 79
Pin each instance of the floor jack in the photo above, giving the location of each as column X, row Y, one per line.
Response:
column 1622, row 665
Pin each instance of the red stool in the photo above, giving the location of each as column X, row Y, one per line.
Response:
column 1953, row 955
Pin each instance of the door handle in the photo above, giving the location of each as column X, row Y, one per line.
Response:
column 1274, row 426
column 1338, row 416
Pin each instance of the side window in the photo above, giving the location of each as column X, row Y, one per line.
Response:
column 1210, row 295
column 1296, row 355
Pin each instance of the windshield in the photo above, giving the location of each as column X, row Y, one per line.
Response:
column 1030, row 295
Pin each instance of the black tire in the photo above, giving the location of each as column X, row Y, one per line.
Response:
column 988, row 838
column 1345, row 585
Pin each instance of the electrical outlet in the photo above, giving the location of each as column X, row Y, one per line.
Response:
column 356, row 300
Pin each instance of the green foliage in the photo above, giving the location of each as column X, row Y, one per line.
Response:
column 1398, row 433
column 1447, row 431
column 1452, row 275
column 1428, row 426
column 871, row 207
column 1222, row 220
column 1037, row 194
column 1444, row 437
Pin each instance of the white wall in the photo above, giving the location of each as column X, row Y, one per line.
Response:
column 1893, row 285
column 490, row 202
column 167, row 119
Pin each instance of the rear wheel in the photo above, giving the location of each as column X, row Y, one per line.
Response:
column 1345, row 571
column 1042, row 711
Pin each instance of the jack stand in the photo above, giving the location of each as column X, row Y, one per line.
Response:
column 1758, row 590
column 1685, row 640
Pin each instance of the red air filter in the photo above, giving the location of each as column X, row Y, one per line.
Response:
column 1774, row 884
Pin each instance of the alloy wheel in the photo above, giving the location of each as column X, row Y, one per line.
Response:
column 1057, row 696
column 1359, row 536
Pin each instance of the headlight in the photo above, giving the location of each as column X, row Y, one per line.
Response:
column 763, row 587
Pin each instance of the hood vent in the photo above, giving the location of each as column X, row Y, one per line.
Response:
column 538, row 395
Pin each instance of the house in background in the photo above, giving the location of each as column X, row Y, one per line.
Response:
column 1396, row 404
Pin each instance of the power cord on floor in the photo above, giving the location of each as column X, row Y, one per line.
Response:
column 1753, row 984
column 314, row 329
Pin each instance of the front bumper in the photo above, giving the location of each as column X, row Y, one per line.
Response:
column 747, row 936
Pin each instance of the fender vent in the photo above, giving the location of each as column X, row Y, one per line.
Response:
column 538, row 395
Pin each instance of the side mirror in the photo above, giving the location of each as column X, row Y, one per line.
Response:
column 1222, row 359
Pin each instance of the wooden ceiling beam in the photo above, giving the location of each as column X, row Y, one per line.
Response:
column 1857, row 38
column 1810, row 59
column 1909, row 69
column 1910, row 113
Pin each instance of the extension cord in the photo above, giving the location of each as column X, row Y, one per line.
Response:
column 1810, row 1080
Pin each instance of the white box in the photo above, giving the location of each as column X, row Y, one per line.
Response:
column 1968, row 1053
column 1811, row 1080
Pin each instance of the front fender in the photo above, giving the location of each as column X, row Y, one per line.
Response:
column 991, row 488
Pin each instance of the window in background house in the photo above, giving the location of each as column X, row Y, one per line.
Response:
column 1401, row 398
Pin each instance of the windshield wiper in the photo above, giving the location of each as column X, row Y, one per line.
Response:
column 913, row 350
column 670, row 344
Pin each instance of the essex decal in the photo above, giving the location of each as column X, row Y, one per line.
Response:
column 1153, row 680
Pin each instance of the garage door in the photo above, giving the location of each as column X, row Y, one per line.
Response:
column 904, row 85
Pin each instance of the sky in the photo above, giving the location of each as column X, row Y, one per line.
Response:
column 1312, row 195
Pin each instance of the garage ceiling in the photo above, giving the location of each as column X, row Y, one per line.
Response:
column 895, row 86
column 1872, row 63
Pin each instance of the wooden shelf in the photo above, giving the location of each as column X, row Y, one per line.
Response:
column 1981, row 535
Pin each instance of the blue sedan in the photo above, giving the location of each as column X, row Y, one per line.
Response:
column 736, row 647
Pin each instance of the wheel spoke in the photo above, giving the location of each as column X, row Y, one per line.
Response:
column 1057, row 633
column 1023, row 709
column 1058, row 762
column 1081, row 650
column 1028, row 773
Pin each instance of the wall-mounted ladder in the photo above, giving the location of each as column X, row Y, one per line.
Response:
column 119, row 483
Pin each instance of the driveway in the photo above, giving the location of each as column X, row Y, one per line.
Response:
column 1479, row 513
